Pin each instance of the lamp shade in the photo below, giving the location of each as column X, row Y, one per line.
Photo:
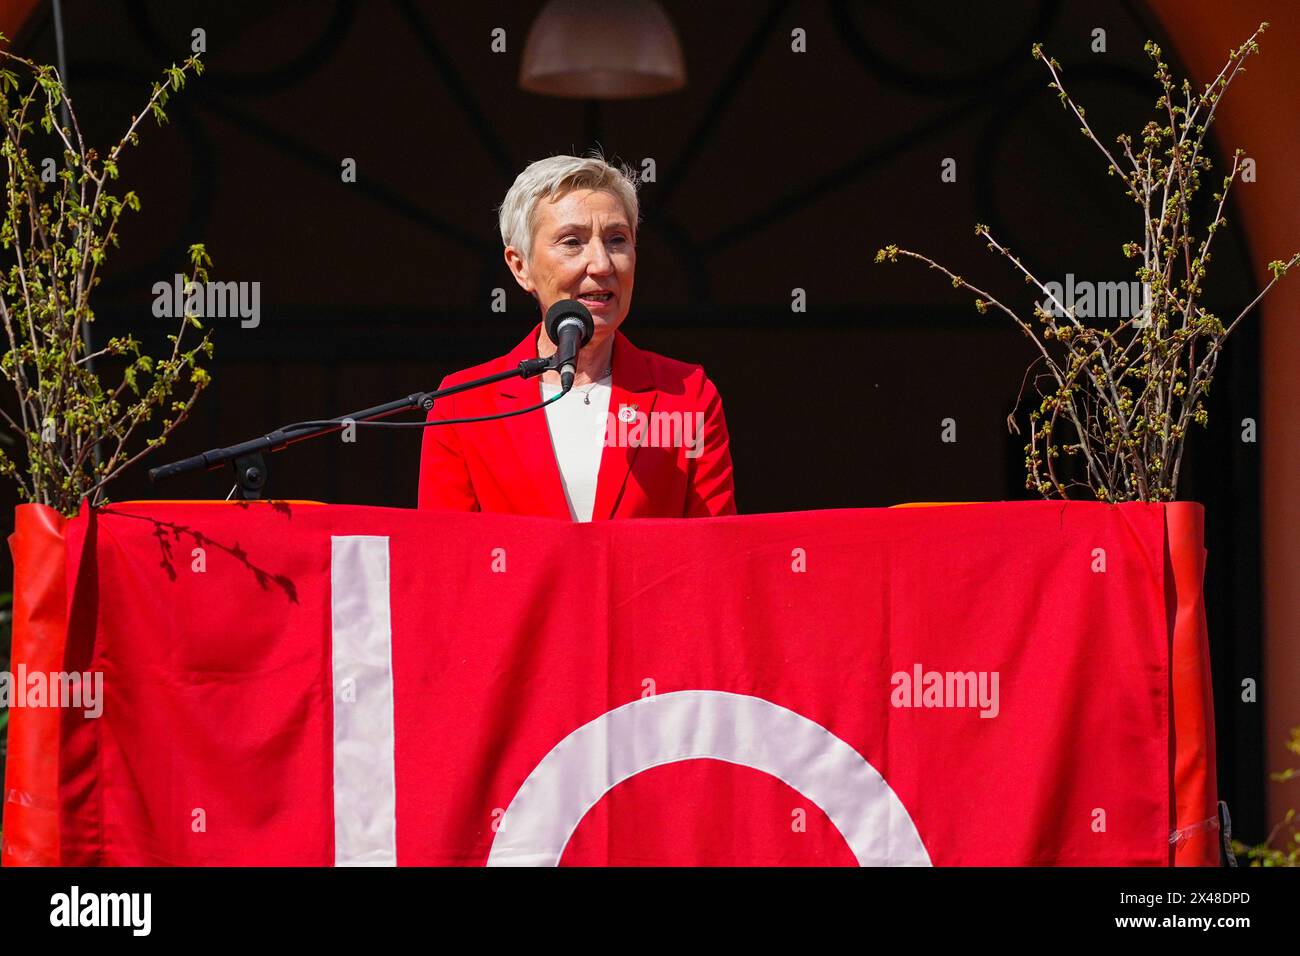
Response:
column 602, row 49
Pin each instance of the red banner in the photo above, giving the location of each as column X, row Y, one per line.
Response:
column 985, row 684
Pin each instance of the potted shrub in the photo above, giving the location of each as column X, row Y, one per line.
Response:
column 75, row 428
column 1120, row 398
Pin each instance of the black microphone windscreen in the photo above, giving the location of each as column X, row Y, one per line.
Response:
column 569, row 308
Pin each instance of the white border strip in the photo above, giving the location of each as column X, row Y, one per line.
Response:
column 365, row 789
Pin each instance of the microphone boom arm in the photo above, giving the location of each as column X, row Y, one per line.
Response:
column 248, row 457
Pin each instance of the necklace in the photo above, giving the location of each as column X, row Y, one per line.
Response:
column 586, row 396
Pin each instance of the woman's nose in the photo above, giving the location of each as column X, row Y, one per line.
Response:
column 598, row 260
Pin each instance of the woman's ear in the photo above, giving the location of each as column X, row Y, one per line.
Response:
column 519, row 269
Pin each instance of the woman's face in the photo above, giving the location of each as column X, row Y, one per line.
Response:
column 582, row 249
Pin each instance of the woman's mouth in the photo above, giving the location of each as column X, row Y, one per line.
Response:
column 596, row 300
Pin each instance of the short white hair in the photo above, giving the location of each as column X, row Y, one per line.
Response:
column 551, row 178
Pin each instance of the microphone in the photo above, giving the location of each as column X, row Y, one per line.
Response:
column 569, row 325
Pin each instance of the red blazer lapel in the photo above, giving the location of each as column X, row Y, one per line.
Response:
column 633, row 385
column 530, row 436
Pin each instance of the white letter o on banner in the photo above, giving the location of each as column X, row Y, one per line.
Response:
column 704, row 724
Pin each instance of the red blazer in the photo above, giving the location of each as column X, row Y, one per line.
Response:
column 509, row 465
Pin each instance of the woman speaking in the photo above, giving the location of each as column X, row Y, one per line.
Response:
column 639, row 435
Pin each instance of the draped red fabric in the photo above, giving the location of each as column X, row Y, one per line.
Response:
column 31, row 784
column 762, row 689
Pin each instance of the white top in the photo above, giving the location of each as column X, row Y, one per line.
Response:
column 578, row 437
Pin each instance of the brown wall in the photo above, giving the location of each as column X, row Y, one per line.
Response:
column 1259, row 114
